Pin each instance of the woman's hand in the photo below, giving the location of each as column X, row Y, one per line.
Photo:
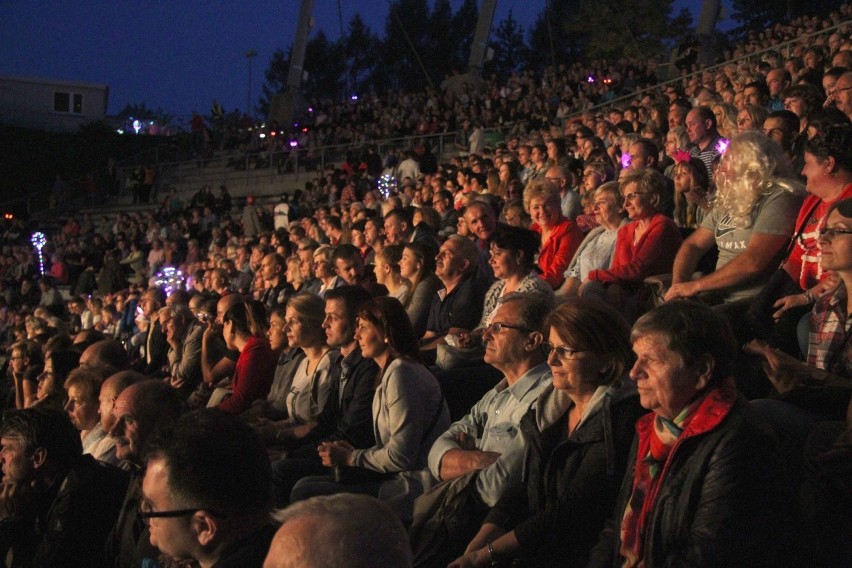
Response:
column 787, row 303
column 471, row 560
column 335, row 454
column 783, row 371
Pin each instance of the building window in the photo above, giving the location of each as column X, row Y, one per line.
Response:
column 68, row 102
column 61, row 102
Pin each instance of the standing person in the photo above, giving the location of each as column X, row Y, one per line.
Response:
column 409, row 413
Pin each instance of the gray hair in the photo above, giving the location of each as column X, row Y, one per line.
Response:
column 533, row 308
column 355, row 531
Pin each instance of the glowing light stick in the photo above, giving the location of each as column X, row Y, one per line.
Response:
column 387, row 185
column 626, row 160
column 39, row 240
column 169, row 279
column 722, row 145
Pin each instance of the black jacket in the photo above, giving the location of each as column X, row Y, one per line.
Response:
column 570, row 483
column 724, row 501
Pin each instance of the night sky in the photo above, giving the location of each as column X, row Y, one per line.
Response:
column 175, row 54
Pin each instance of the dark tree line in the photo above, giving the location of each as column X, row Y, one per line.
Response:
column 424, row 41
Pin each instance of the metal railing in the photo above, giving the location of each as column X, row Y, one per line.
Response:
column 787, row 46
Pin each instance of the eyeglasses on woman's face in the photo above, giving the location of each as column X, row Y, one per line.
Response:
column 562, row 352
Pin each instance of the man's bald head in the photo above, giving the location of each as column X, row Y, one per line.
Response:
column 225, row 303
column 105, row 353
column 141, row 410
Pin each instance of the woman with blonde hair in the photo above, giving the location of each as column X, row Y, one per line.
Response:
column 754, row 213
column 560, row 236
column 726, row 119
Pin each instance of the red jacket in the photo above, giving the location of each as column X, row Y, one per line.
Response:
column 653, row 254
column 252, row 377
column 557, row 252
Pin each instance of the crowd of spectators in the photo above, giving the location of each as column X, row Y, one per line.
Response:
column 574, row 346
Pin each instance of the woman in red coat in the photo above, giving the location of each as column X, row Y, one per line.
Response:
column 644, row 247
column 560, row 236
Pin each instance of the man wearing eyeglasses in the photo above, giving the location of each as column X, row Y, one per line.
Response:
column 843, row 94
column 487, row 440
column 57, row 505
column 207, row 492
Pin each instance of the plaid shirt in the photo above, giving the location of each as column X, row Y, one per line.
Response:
column 828, row 335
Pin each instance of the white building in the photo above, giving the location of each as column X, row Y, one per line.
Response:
column 52, row 105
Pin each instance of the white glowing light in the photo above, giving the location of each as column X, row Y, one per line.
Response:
column 39, row 240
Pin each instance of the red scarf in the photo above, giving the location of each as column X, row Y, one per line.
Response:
column 657, row 442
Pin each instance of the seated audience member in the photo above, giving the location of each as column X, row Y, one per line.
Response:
column 487, row 443
column 140, row 412
column 387, row 273
column 515, row 215
column 705, row 484
column 105, row 450
column 513, row 252
column 457, row 307
column 273, row 407
column 560, row 236
column 25, row 365
column 58, row 505
column 324, row 270
column 409, row 413
column 578, row 437
column 480, row 218
column 83, row 387
column 442, row 202
column 692, row 199
column 344, row 531
column 819, row 389
column 828, row 169
column 310, row 384
column 752, row 220
column 184, row 334
column 704, row 138
column 347, row 414
column 256, row 364
column 273, row 270
column 597, row 248
column 108, row 353
column 643, row 247
column 212, row 468
column 350, row 268
column 751, row 117
column 217, row 360
column 156, row 345
column 51, row 390
column 417, row 265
